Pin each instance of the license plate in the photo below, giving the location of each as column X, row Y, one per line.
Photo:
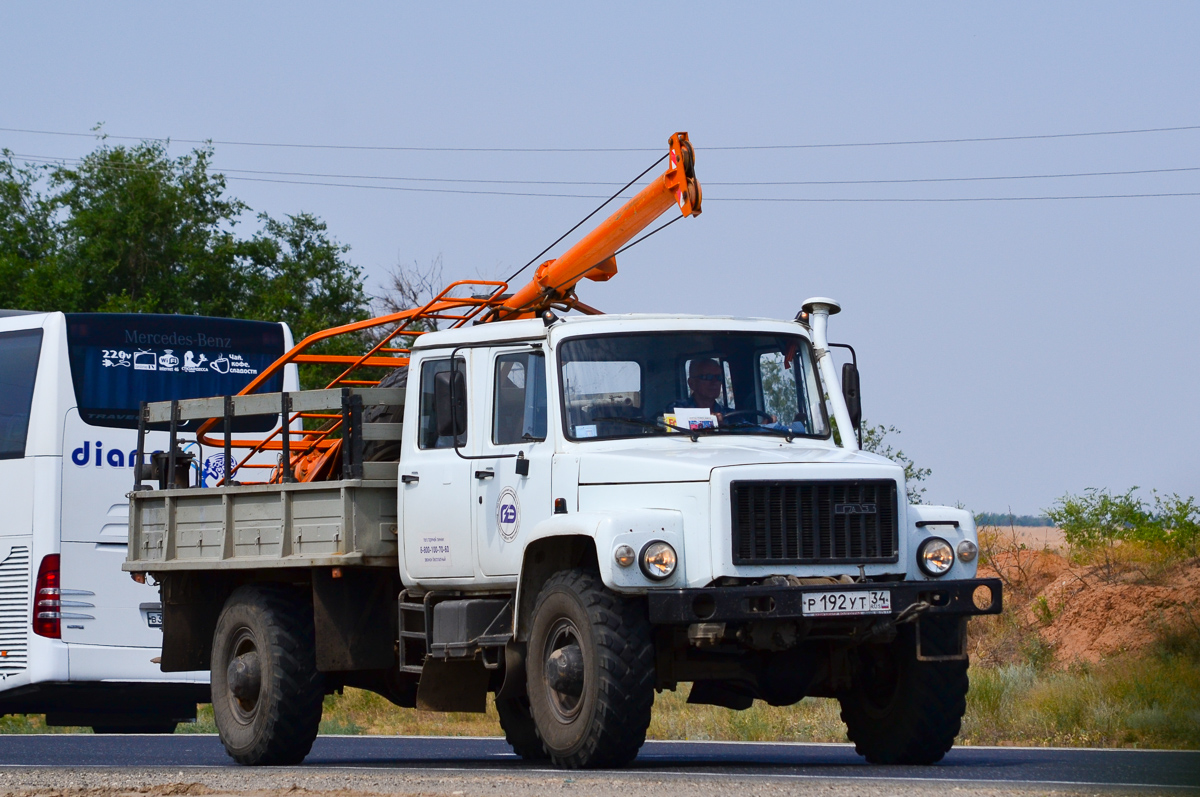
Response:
column 837, row 604
column 154, row 619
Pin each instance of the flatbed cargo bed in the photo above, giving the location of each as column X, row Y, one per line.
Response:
column 319, row 524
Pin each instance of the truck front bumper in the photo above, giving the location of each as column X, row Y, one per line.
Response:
column 745, row 604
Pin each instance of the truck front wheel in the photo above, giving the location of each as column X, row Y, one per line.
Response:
column 519, row 730
column 900, row 710
column 266, row 690
column 590, row 672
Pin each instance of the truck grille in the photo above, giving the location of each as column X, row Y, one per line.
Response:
column 811, row 522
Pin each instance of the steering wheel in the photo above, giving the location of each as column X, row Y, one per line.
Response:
column 750, row 414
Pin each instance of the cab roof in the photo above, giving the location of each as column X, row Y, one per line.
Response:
column 534, row 329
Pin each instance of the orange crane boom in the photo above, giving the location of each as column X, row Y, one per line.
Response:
column 593, row 257
column 553, row 283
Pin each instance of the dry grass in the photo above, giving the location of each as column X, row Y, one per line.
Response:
column 1144, row 701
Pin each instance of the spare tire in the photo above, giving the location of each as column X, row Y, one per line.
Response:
column 385, row 450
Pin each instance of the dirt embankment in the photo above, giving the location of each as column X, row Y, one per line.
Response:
column 1092, row 611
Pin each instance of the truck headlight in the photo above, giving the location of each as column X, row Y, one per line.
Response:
column 658, row 560
column 935, row 557
column 967, row 551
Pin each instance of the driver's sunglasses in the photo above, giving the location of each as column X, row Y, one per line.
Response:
column 708, row 377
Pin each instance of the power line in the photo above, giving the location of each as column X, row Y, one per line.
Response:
column 978, row 140
column 711, row 198
column 745, row 147
column 961, row 179
column 947, row 199
column 719, row 198
column 710, row 183
column 534, row 259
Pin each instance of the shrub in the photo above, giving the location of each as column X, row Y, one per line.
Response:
column 1097, row 521
column 1176, row 521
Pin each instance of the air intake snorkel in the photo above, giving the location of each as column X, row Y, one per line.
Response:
column 819, row 309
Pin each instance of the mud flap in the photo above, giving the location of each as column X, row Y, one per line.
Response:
column 941, row 638
column 726, row 694
column 355, row 619
column 453, row 685
column 514, row 672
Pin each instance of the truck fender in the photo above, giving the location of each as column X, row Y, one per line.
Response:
column 589, row 539
column 952, row 525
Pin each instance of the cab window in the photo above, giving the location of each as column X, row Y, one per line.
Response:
column 427, row 428
column 18, row 369
column 519, row 403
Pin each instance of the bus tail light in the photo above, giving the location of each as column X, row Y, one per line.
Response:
column 47, row 599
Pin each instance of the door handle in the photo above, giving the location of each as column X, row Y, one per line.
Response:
column 410, row 478
column 484, row 474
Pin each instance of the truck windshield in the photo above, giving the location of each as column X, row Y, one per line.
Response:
column 120, row 360
column 707, row 382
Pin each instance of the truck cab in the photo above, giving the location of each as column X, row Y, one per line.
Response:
column 589, row 428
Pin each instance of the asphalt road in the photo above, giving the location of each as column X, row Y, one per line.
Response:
column 1157, row 770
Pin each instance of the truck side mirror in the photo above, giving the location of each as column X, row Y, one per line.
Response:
column 851, row 394
column 450, row 402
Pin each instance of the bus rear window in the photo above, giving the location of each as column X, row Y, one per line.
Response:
column 19, row 353
column 121, row 360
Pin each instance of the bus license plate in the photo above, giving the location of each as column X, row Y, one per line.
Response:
column 837, row 604
column 154, row 619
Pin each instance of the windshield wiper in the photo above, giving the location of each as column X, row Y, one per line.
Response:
column 749, row 427
column 693, row 433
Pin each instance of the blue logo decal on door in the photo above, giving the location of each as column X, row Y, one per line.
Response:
column 508, row 514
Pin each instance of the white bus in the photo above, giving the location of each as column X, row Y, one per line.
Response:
column 79, row 639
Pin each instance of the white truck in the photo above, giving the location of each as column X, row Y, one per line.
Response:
column 570, row 513
column 544, row 533
column 79, row 641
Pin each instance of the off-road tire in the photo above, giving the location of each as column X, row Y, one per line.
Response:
column 519, row 729
column 149, row 726
column 607, row 725
column 278, row 726
column 900, row 710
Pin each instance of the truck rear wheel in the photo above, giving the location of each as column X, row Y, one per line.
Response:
column 266, row 690
column 900, row 710
column 590, row 672
column 519, row 729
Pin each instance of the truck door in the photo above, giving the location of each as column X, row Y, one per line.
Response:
column 435, row 487
column 508, row 503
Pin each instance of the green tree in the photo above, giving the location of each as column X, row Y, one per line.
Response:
column 143, row 232
column 29, row 239
column 1098, row 520
column 873, row 440
column 297, row 274
column 131, row 229
column 778, row 385
column 1177, row 521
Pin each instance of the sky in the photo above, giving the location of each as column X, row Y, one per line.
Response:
column 1025, row 348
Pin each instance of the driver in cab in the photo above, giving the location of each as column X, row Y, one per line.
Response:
column 706, row 381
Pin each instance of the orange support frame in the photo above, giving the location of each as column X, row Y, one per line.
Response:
column 553, row 284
